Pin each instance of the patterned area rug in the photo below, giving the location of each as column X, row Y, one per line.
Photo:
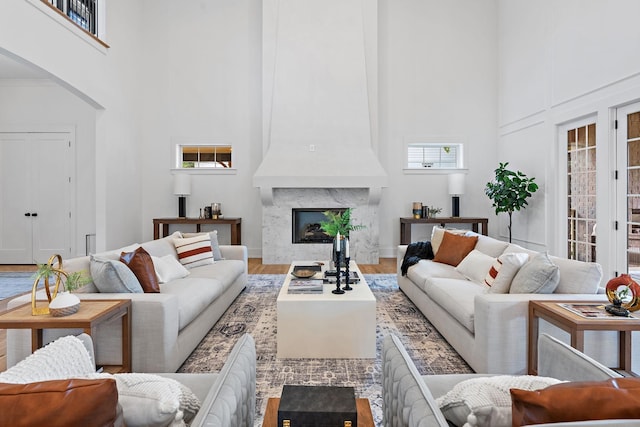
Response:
column 254, row 312
column 12, row 284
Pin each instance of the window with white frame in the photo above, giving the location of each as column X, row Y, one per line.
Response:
column 204, row 156
column 434, row 155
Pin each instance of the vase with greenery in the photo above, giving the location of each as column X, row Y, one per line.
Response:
column 509, row 191
column 339, row 222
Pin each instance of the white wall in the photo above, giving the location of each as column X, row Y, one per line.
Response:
column 560, row 61
column 42, row 104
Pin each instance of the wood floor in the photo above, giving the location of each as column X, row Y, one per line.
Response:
column 386, row 266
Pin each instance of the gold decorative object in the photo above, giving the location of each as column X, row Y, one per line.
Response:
column 57, row 272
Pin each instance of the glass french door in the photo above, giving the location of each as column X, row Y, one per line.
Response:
column 628, row 189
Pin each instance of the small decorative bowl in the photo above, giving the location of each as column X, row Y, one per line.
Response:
column 64, row 304
column 303, row 273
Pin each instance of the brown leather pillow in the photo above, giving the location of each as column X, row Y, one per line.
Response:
column 59, row 403
column 454, row 248
column 140, row 262
column 577, row 401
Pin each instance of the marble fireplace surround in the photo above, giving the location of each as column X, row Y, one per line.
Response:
column 277, row 246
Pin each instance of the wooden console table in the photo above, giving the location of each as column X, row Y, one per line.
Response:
column 234, row 223
column 405, row 225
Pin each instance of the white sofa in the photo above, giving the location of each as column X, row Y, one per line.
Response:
column 489, row 330
column 409, row 399
column 166, row 326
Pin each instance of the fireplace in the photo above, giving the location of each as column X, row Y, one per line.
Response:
column 306, row 225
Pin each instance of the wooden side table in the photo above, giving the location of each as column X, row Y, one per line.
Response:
column 234, row 223
column 554, row 313
column 90, row 314
column 365, row 417
column 405, row 225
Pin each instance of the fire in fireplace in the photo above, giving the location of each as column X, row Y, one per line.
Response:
column 306, row 225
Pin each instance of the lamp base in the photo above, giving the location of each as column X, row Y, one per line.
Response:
column 455, row 206
column 182, row 207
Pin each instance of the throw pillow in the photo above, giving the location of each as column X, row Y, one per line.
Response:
column 486, row 401
column 215, row 246
column 150, row 400
column 454, row 248
column 139, row 261
column 503, row 270
column 475, row 266
column 112, row 276
column 68, row 402
column 539, row 276
column 437, row 234
column 168, row 268
column 616, row 398
column 194, row 251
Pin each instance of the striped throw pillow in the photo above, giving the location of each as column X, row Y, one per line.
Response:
column 194, row 251
column 503, row 271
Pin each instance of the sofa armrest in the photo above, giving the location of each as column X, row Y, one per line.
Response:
column 501, row 322
column 402, row 249
column 232, row 398
column 238, row 252
column 406, row 400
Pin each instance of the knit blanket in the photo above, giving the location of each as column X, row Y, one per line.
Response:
column 415, row 252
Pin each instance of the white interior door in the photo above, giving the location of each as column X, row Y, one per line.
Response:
column 35, row 186
column 628, row 190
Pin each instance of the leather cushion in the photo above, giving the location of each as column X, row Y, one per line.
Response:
column 63, row 403
column 140, row 262
column 616, row 398
column 454, row 248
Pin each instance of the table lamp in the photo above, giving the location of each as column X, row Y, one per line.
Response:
column 182, row 188
column 456, row 188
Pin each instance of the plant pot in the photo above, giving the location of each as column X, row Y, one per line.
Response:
column 64, row 304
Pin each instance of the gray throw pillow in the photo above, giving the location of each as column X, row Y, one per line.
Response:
column 111, row 276
column 539, row 276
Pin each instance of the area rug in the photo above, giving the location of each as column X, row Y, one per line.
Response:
column 15, row 283
column 254, row 312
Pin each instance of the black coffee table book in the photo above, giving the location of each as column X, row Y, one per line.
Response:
column 317, row 406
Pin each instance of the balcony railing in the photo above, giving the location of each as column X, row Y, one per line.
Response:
column 81, row 12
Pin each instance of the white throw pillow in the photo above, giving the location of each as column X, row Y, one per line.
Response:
column 539, row 276
column 437, row 233
column 152, row 400
column 194, row 251
column 504, row 269
column 475, row 266
column 486, row 401
column 168, row 268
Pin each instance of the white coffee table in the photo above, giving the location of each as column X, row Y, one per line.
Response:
column 327, row 325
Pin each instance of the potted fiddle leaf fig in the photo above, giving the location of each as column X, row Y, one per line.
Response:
column 509, row 191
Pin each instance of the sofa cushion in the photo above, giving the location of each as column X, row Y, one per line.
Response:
column 538, row 276
column 486, row 401
column 194, row 251
column 168, row 268
column 215, row 246
column 112, row 276
column 153, row 400
column 489, row 245
column 616, row 398
column 577, row 277
column 475, row 266
column 454, row 248
column 504, row 269
column 437, row 234
column 194, row 296
column 227, row 271
column 140, row 262
column 457, row 298
column 422, row 272
column 67, row 402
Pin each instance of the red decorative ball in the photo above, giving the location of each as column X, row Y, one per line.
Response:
column 626, row 290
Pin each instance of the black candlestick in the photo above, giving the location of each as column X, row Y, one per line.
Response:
column 346, row 272
column 337, row 290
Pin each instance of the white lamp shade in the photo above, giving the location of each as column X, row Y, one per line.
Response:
column 456, row 183
column 181, row 184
